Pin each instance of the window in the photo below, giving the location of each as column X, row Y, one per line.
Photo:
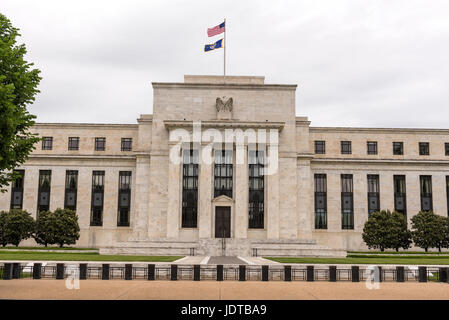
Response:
column 43, row 197
column 400, row 194
column 71, row 189
column 347, row 203
column 320, row 201
column 127, row 144
column 423, row 148
column 346, row 147
column 17, row 190
column 74, row 143
column 223, row 173
column 189, row 188
column 47, row 143
column 447, row 193
column 96, row 218
column 398, row 148
column 124, row 198
column 371, row 147
column 446, row 148
column 256, row 189
column 426, row 193
column 373, row 193
column 320, row 147
column 100, row 144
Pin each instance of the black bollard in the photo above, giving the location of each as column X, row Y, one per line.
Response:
column 196, row 272
column 219, row 272
column 287, row 273
column 400, row 274
column 443, row 274
column 355, row 271
column 37, row 270
column 128, row 271
column 310, row 273
column 83, row 271
column 7, row 271
column 332, row 273
column 16, row 270
column 105, row 271
column 151, row 272
column 59, row 271
column 242, row 273
column 422, row 274
column 264, row 273
column 174, row 272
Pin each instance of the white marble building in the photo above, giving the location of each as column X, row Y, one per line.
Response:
column 132, row 197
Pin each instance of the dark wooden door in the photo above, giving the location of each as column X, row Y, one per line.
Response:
column 222, row 222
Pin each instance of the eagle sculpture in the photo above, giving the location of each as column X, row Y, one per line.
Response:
column 224, row 106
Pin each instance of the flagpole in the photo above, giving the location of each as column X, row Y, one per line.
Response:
column 224, row 53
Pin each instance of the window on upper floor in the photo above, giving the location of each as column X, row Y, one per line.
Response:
column 127, row 144
column 424, row 149
column 320, row 147
column 446, row 148
column 398, row 148
column 100, row 144
column 47, row 143
column 346, row 147
column 74, row 143
column 371, row 147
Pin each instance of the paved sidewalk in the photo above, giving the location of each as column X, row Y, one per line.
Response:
column 228, row 290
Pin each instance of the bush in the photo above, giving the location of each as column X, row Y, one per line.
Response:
column 3, row 240
column 46, row 228
column 385, row 230
column 429, row 230
column 18, row 225
column 68, row 230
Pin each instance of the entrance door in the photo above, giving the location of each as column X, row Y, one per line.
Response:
column 222, row 222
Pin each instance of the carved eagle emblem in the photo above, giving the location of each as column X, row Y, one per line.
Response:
column 221, row 105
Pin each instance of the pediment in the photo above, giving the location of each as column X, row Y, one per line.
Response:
column 222, row 199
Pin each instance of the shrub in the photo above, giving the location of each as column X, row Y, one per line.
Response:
column 429, row 230
column 3, row 240
column 19, row 225
column 68, row 230
column 46, row 228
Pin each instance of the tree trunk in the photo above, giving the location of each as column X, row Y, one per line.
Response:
column 397, row 249
column 61, row 245
column 426, row 249
column 382, row 249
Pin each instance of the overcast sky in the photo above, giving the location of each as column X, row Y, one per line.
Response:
column 357, row 63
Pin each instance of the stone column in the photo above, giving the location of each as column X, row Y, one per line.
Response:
column 205, row 194
column 272, row 186
column 141, row 196
column 305, row 199
column 174, row 195
column 241, row 192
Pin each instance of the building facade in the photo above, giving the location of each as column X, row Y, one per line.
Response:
column 224, row 167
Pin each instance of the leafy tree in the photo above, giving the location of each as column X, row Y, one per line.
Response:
column 18, row 87
column 46, row 228
column 19, row 225
column 428, row 230
column 400, row 236
column 3, row 240
column 376, row 231
column 443, row 241
column 68, row 230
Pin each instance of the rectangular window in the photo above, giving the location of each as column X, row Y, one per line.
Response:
column 223, row 173
column 96, row 217
column 256, row 189
column 124, row 198
column 373, row 193
column 190, row 188
column 400, row 203
column 446, row 148
column 127, row 144
column 71, row 189
column 320, row 147
column 371, row 147
column 17, row 190
column 347, row 202
column 320, row 201
column 426, row 193
column 47, row 143
column 447, row 194
column 100, row 144
column 346, row 147
column 74, row 143
column 43, row 197
column 424, row 149
column 398, row 148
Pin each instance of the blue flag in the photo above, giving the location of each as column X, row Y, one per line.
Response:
column 216, row 45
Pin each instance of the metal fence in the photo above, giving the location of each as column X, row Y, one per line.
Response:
column 224, row 272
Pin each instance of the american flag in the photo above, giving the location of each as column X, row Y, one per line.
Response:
column 216, row 30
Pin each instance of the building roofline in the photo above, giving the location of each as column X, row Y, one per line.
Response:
column 379, row 130
column 181, row 85
column 85, row 125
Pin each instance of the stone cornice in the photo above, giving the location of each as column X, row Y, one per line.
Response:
column 221, row 124
column 381, row 161
column 82, row 157
column 378, row 130
column 233, row 86
column 103, row 126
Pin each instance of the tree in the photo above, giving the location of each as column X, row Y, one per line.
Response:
column 46, row 228
column 68, row 230
column 18, row 87
column 400, row 236
column 428, row 230
column 3, row 240
column 19, row 225
column 443, row 241
column 376, row 231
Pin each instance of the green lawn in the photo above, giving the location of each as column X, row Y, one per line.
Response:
column 400, row 252
column 67, row 256
column 355, row 259
column 45, row 248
